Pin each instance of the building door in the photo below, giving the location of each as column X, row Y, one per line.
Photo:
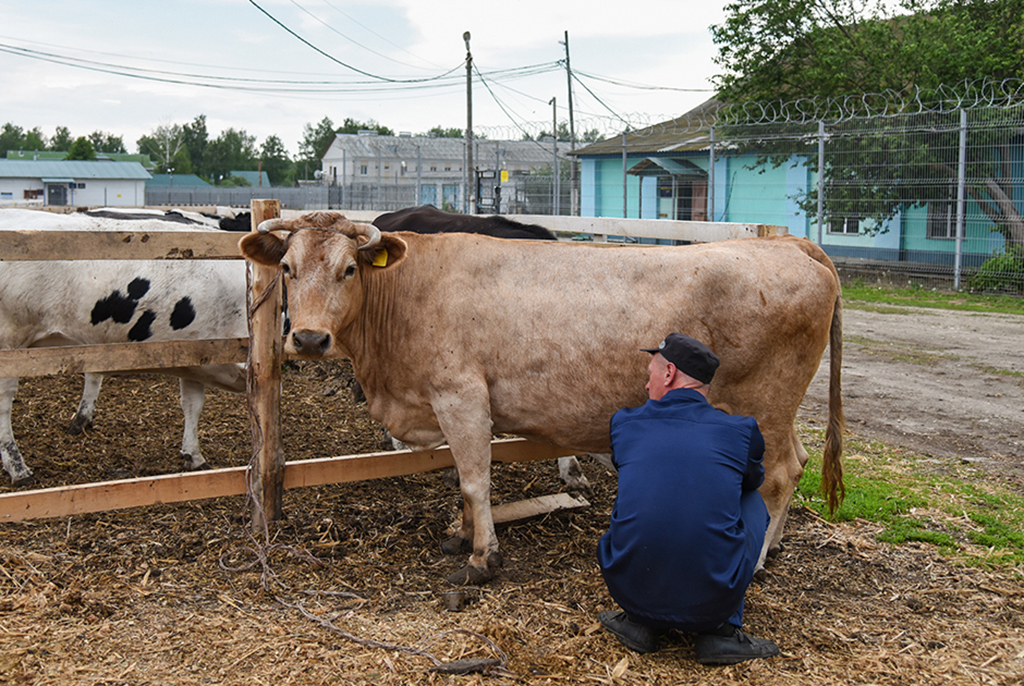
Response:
column 56, row 194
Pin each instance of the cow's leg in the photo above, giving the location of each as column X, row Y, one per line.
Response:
column 10, row 456
column 467, row 428
column 773, row 540
column 572, row 474
column 784, row 458
column 87, row 405
column 193, row 395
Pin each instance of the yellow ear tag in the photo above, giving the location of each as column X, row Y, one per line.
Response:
column 381, row 258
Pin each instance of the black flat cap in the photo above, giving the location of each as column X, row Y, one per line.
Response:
column 689, row 355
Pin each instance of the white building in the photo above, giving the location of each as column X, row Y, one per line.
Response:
column 376, row 172
column 72, row 182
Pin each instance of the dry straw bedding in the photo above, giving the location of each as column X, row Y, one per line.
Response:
column 143, row 596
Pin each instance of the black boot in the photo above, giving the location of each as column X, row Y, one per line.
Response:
column 727, row 645
column 635, row 636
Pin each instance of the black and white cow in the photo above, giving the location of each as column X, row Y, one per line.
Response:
column 49, row 303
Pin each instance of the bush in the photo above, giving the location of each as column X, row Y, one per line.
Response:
column 1001, row 273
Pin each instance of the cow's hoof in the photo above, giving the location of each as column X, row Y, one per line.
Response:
column 760, row 574
column 23, row 479
column 773, row 551
column 191, row 466
column 495, row 560
column 456, row 545
column 450, row 478
column 79, row 426
column 471, row 576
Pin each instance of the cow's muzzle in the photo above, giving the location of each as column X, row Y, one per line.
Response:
column 311, row 343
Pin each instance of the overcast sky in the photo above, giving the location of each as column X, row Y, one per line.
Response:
column 145, row 59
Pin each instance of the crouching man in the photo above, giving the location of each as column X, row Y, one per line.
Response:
column 688, row 523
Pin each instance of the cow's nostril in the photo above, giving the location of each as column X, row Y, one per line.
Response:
column 311, row 342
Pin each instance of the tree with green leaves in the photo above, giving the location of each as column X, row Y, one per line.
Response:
column 315, row 142
column 195, row 139
column 166, row 145
column 61, row 140
column 275, row 161
column 13, row 137
column 785, row 50
column 106, row 142
column 232, row 150
column 81, row 149
column 353, row 126
column 441, row 132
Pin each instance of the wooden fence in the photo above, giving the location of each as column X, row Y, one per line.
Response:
column 270, row 475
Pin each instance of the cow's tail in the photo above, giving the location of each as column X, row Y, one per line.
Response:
column 832, row 486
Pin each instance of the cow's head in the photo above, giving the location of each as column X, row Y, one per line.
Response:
column 325, row 259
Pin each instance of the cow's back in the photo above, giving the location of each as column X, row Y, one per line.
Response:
column 555, row 330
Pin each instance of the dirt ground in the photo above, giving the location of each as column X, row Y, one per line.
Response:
column 351, row 591
column 938, row 382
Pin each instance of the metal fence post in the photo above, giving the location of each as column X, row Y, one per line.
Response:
column 711, row 176
column 821, row 178
column 961, row 187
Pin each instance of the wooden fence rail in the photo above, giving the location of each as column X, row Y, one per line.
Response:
column 264, row 353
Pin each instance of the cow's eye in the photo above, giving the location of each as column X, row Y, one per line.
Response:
column 286, row 269
column 350, row 271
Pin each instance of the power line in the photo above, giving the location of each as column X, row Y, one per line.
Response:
column 640, row 86
column 343, row 64
column 352, row 40
column 587, row 88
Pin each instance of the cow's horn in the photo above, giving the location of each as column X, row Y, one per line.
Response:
column 370, row 232
column 269, row 225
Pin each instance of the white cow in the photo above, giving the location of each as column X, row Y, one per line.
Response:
column 49, row 303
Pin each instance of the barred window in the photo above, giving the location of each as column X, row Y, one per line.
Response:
column 845, row 225
column 942, row 216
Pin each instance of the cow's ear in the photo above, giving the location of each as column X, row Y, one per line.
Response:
column 386, row 254
column 266, row 249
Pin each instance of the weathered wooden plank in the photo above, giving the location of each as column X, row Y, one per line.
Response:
column 333, row 470
column 143, row 356
column 63, row 501
column 534, row 507
column 697, row 232
column 264, row 380
column 24, row 244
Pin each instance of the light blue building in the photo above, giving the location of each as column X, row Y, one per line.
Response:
column 665, row 172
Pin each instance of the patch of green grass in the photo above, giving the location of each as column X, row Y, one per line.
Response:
column 859, row 293
column 918, row 499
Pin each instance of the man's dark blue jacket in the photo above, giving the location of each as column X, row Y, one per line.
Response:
column 688, row 524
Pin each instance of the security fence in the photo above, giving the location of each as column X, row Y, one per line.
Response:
column 924, row 190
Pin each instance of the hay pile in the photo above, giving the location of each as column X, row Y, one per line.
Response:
column 144, row 596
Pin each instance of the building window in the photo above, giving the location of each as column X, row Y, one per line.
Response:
column 433, row 167
column 364, row 169
column 845, row 225
column 447, row 167
column 942, row 217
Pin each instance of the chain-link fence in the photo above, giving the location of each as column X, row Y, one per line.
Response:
column 295, row 198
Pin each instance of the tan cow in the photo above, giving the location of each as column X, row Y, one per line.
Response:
column 456, row 337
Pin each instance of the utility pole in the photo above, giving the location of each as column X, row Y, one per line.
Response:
column 470, row 174
column 574, row 211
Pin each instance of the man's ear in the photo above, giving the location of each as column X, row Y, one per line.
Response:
column 266, row 249
column 387, row 254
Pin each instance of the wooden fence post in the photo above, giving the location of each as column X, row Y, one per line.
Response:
column 264, row 375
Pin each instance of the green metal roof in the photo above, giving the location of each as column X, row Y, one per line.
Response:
column 33, row 155
column 253, row 177
column 183, row 180
column 74, row 169
column 687, row 133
